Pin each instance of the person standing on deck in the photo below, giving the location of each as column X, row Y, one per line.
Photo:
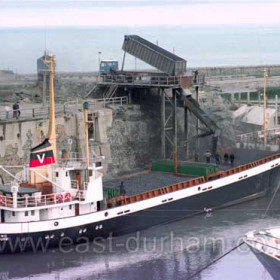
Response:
column 226, row 158
column 208, row 156
column 122, row 189
column 231, row 158
column 7, row 111
column 217, row 157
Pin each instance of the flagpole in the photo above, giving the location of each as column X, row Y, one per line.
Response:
column 85, row 107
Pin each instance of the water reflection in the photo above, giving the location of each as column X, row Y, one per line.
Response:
column 172, row 251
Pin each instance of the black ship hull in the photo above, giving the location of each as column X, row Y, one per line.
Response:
column 271, row 264
column 247, row 189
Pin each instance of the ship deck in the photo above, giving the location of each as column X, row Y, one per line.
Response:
column 147, row 181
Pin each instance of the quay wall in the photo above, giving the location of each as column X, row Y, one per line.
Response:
column 17, row 137
column 123, row 134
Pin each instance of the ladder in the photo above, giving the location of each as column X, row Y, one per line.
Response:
column 110, row 92
column 91, row 91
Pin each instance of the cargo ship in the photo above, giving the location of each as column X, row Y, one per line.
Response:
column 265, row 244
column 63, row 199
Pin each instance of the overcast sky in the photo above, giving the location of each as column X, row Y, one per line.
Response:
column 87, row 13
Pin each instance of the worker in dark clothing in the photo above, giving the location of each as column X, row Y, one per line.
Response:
column 195, row 79
column 208, row 156
column 15, row 106
column 231, row 158
column 217, row 157
column 226, row 158
column 16, row 111
column 122, row 189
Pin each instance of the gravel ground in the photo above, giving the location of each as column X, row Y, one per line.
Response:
column 145, row 182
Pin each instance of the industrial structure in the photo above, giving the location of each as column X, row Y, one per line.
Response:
column 171, row 84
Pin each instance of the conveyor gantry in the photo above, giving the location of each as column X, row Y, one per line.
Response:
column 194, row 107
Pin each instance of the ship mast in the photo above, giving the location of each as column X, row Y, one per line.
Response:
column 85, row 107
column 51, row 133
column 264, row 107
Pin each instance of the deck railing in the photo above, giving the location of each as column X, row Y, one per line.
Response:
column 198, row 181
column 43, row 200
column 77, row 162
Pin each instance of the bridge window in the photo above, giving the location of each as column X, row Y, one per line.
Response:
column 277, row 121
column 26, row 213
column 98, row 164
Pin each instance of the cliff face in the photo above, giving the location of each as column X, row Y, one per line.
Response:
column 135, row 135
column 221, row 112
column 134, row 139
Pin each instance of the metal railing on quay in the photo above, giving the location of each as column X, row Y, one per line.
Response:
column 272, row 135
column 66, row 108
column 145, row 80
column 122, row 100
column 30, row 113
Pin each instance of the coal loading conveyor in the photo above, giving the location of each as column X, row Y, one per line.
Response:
column 194, row 107
column 154, row 55
column 168, row 63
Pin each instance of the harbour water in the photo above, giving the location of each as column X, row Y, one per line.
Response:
column 77, row 49
column 176, row 250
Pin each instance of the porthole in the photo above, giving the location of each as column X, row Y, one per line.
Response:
column 56, row 224
column 199, row 188
column 80, row 231
column 101, row 226
column 106, row 214
column 47, row 237
column 97, row 227
column 62, row 234
column 52, row 236
column 22, row 239
column 84, row 230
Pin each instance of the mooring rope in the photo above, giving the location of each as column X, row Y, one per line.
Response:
column 216, row 260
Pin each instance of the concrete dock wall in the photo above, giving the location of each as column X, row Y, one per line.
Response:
column 257, row 70
column 18, row 137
